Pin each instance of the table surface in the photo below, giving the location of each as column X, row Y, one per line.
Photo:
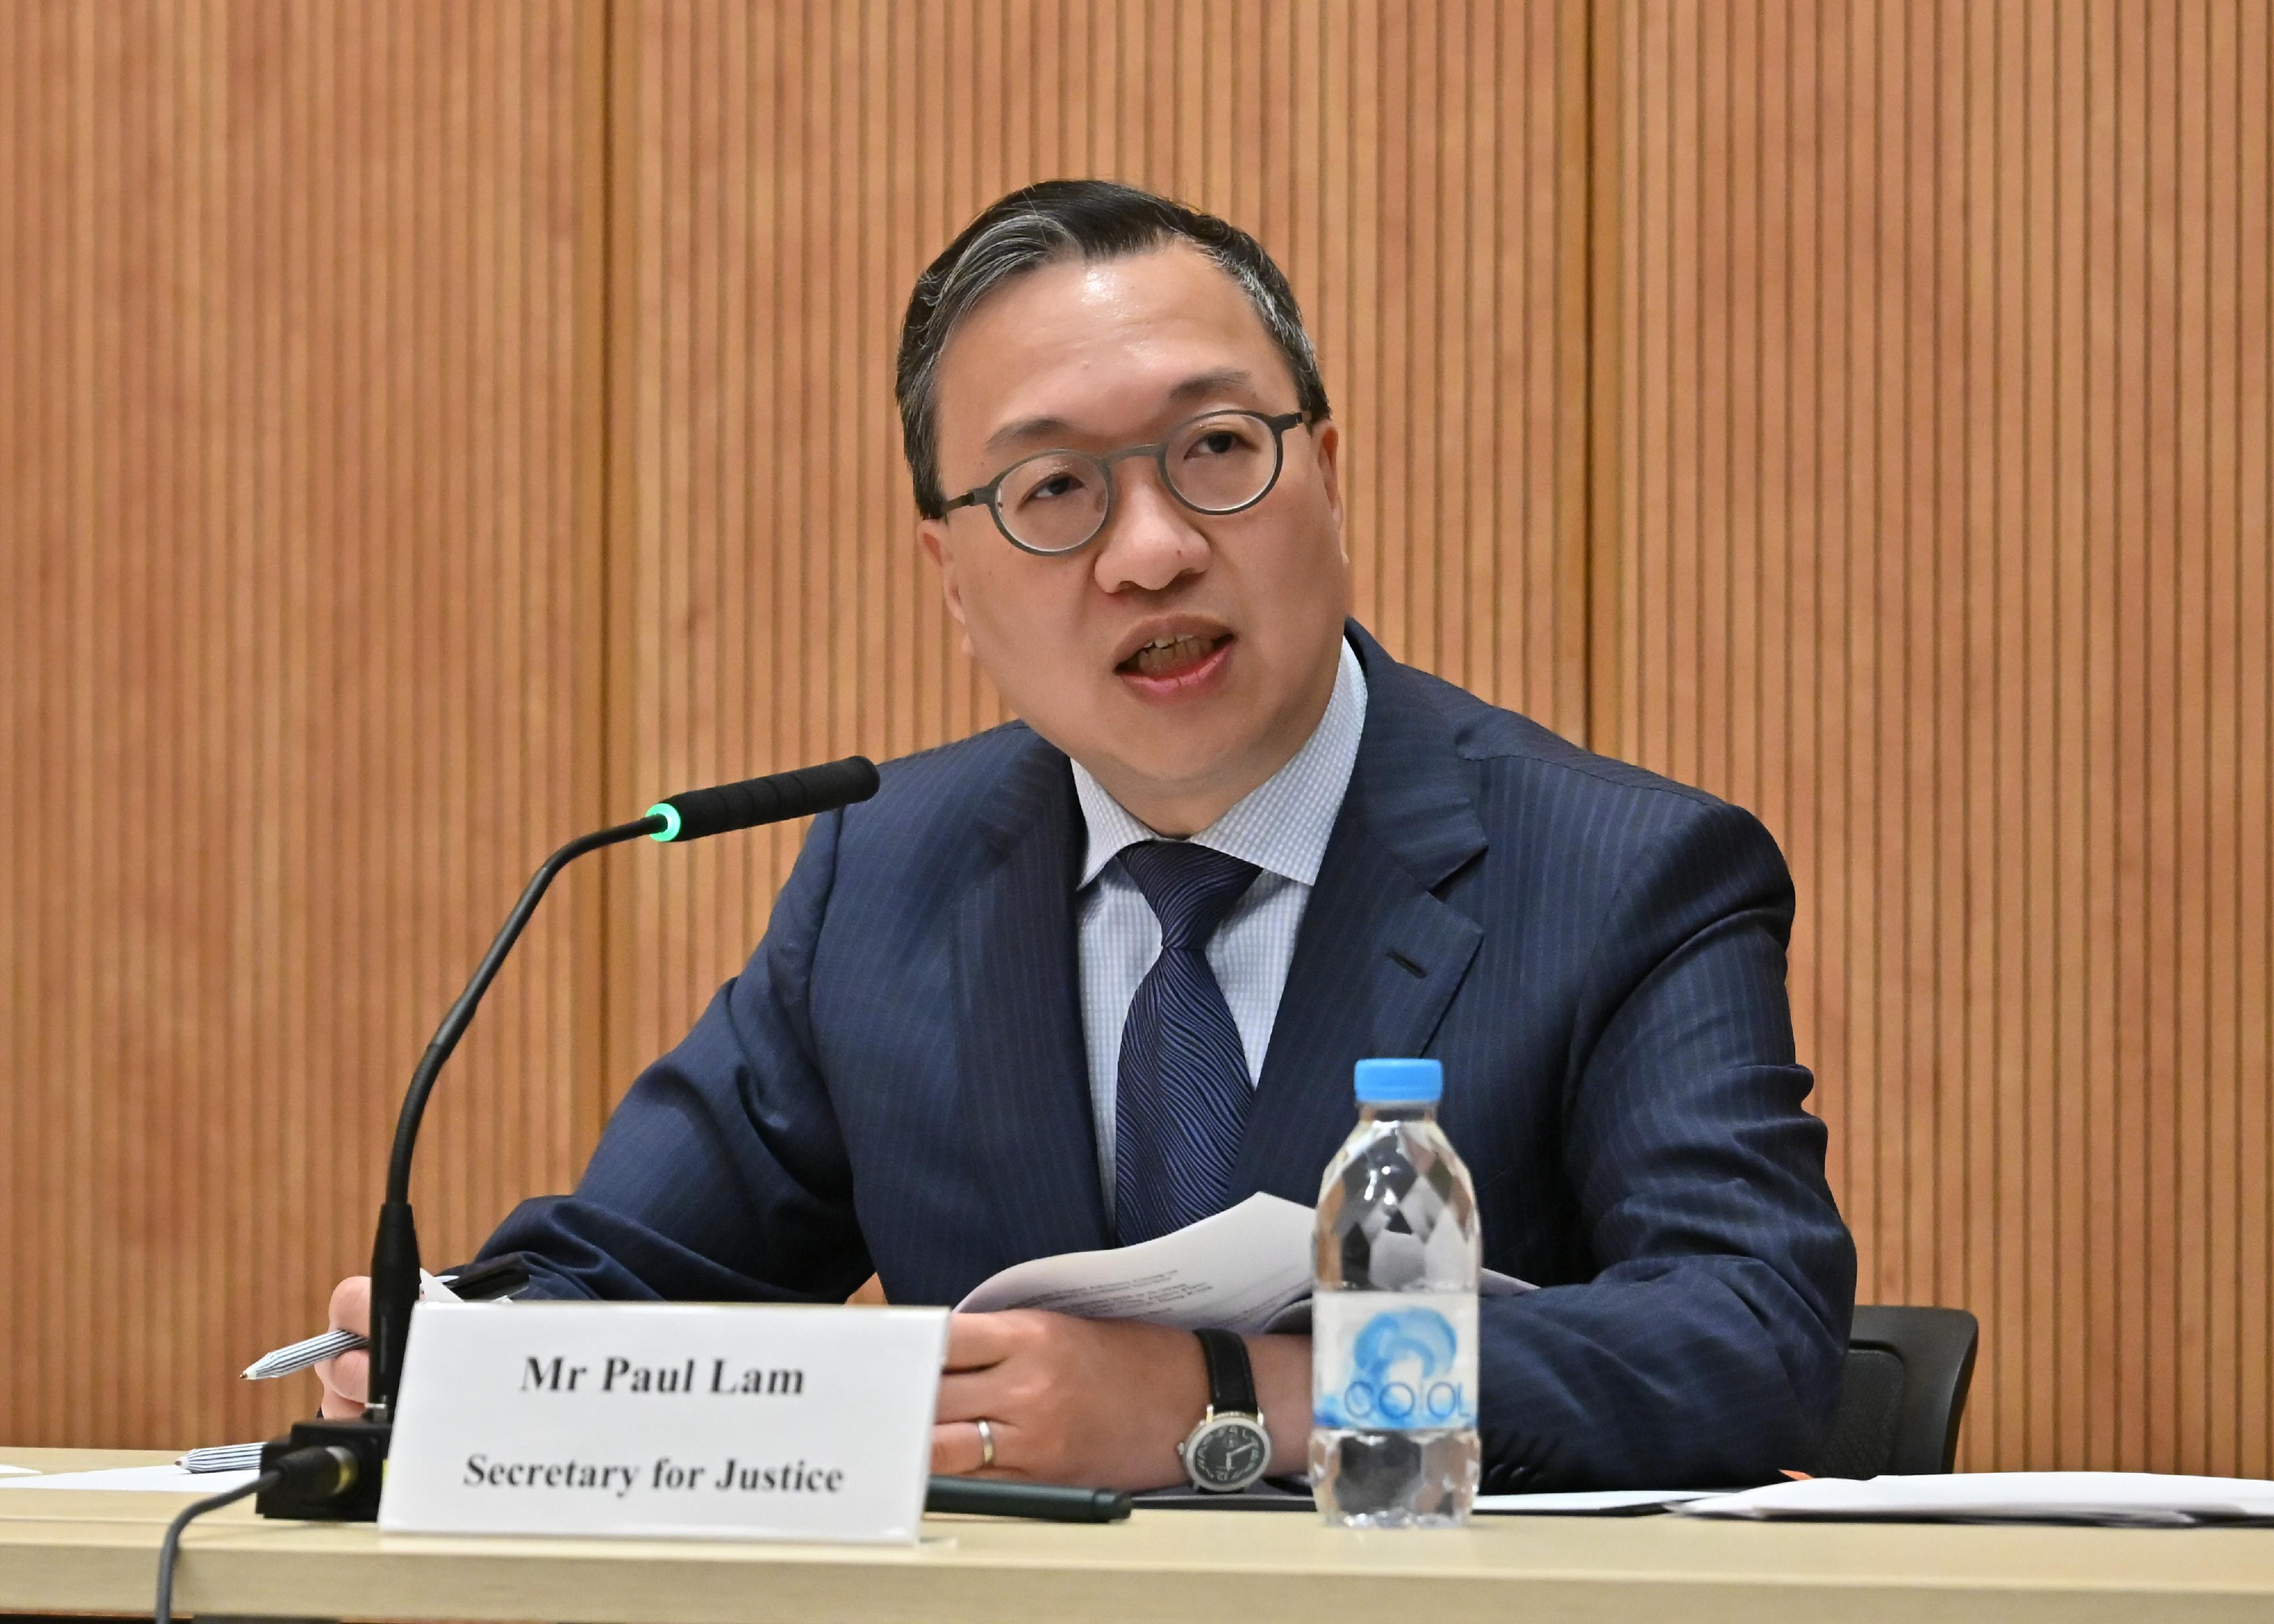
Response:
column 81, row 1550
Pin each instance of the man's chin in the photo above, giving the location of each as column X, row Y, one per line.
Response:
column 1177, row 783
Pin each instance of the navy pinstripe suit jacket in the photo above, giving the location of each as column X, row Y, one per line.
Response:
column 896, row 1082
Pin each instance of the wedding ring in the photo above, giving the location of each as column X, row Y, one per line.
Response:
column 986, row 1445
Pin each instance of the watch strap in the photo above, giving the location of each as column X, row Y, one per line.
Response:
column 1232, row 1379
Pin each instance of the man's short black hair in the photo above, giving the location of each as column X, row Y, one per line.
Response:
column 1055, row 220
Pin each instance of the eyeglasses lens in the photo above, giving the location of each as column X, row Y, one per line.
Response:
column 1054, row 502
column 1222, row 462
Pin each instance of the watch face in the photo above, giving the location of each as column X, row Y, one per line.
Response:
column 1229, row 1453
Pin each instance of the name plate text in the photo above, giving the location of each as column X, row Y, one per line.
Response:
column 705, row 1421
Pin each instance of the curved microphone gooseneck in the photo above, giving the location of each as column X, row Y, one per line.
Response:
column 395, row 1248
column 690, row 816
column 353, row 1495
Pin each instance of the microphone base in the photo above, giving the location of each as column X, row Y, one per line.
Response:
column 366, row 1440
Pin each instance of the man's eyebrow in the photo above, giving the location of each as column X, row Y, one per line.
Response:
column 1027, row 428
column 1223, row 381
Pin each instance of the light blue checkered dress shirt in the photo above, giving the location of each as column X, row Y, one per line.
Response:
column 1281, row 826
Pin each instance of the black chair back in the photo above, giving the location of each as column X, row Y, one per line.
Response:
column 1902, row 1393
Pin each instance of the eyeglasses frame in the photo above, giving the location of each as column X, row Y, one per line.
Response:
column 990, row 493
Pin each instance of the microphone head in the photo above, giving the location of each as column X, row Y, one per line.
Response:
column 775, row 798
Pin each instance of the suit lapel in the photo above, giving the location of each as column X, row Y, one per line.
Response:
column 1379, row 956
column 1026, row 1077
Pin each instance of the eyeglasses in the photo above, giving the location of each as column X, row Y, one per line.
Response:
column 1056, row 502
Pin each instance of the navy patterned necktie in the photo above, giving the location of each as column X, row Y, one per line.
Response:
column 1181, row 1093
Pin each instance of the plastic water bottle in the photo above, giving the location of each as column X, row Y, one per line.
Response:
column 1394, row 1313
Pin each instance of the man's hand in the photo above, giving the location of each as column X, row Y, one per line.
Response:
column 347, row 1377
column 1103, row 1403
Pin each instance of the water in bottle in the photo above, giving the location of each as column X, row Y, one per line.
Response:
column 1394, row 1313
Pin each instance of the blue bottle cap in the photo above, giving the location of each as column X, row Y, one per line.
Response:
column 1400, row 1082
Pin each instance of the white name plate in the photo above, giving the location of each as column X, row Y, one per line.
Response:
column 696, row 1420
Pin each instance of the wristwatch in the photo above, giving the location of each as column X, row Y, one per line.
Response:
column 1230, row 1448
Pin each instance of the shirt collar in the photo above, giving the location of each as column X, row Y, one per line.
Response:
column 1281, row 824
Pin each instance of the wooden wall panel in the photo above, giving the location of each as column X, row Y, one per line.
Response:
column 291, row 635
column 1936, row 367
column 786, row 170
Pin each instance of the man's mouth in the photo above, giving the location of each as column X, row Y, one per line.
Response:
column 1169, row 656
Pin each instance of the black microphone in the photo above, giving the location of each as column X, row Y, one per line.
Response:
column 699, row 812
column 395, row 1248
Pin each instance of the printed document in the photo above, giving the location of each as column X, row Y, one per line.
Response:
column 167, row 1480
column 1246, row 1268
column 2109, row 1498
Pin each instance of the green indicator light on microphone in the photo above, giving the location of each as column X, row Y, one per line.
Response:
column 664, row 810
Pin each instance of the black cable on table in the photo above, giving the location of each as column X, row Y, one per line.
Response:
column 321, row 1471
column 167, row 1552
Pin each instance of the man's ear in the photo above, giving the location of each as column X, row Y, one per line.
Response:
column 1327, row 445
column 931, row 535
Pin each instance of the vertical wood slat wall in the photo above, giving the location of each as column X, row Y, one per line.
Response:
column 1936, row 372
column 1626, row 443
column 290, row 645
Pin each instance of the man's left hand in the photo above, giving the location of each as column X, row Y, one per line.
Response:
column 1100, row 1403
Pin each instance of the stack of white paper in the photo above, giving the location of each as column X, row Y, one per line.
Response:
column 167, row 1479
column 2144, row 1499
column 1246, row 1268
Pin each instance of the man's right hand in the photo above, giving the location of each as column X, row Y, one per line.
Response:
column 347, row 1376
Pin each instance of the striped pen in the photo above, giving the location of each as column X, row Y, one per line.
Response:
column 481, row 1283
column 299, row 1356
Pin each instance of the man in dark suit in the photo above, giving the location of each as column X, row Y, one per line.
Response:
column 1102, row 971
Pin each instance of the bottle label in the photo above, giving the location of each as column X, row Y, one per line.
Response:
column 1394, row 1361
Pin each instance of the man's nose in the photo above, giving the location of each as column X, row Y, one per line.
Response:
column 1150, row 542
